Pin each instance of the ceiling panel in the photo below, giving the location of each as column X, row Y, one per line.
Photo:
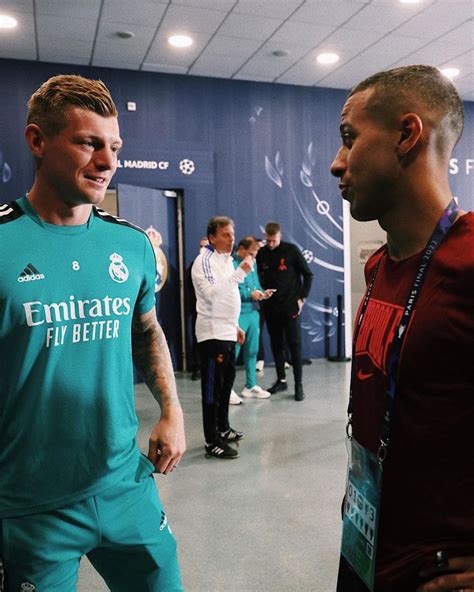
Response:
column 192, row 18
column 133, row 50
column 214, row 65
column 233, row 46
column 16, row 6
column 332, row 13
column 268, row 67
column 303, row 77
column 18, row 52
column 88, row 9
column 307, row 69
column 166, row 68
column 463, row 62
column 462, row 34
column 236, row 38
column 307, row 34
column 279, row 9
column 60, row 27
column 249, row 27
column 466, row 87
column 222, row 5
column 253, row 78
column 19, row 43
column 54, row 47
column 296, row 52
column 148, row 13
column 438, row 19
column 52, row 56
column 384, row 17
column 383, row 53
column 345, row 38
column 161, row 51
column 114, row 61
column 433, row 54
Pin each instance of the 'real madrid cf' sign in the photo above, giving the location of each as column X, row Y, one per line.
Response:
column 165, row 168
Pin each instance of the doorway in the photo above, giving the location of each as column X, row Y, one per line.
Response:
column 159, row 213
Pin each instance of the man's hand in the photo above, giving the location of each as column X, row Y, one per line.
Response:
column 300, row 305
column 247, row 263
column 152, row 358
column 257, row 295
column 240, row 336
column 461, row 580
column 268, row 293
column 167, row 442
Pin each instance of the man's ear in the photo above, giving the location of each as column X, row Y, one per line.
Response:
column 35, row 138
column 411, row 128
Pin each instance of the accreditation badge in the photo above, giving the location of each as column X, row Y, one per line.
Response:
column 361, row 512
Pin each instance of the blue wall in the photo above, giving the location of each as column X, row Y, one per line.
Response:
column 260, row 151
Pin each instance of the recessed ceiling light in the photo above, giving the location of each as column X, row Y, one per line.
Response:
column 125, row 34
column 7, row 22
column 327, row 58
column 180, row 41
column 450, row 72
column 281, row 53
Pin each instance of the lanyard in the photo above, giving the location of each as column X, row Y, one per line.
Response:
column 446, row 221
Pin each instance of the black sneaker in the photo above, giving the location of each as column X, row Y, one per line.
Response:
column 196, row 375
column 232, row 435
column 220, row 449
column 278, row 387
column 299, row 393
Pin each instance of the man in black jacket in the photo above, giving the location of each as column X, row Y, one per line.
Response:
column 283, row 268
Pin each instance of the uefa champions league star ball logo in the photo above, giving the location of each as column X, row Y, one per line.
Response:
column 117, row 269
column 186, row 166
column 161, row 261
column 27, row 587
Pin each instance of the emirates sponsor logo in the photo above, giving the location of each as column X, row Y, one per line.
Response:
column 77, row 321
column 37, row 312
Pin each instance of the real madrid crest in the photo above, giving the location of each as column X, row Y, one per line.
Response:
column 118, row 271
column 161, row 262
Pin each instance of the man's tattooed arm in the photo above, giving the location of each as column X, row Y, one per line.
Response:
column 152, row 358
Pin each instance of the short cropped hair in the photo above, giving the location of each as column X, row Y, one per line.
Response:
column 247, row 242
column 272, row 228
column 217, row 222
column 48, row 105
column 426, row 83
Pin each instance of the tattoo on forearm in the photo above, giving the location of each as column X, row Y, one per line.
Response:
column 152, row 358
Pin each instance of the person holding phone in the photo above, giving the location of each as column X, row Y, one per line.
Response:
column 283, row 268
column 251, row 294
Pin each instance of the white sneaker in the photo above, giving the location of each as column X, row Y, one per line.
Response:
column 287, row 365
column 256, row 392
column 259, row 366
column 234, row 398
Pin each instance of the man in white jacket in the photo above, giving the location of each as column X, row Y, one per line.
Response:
column 216, row 284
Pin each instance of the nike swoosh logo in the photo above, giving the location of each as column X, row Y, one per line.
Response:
column 361, row 375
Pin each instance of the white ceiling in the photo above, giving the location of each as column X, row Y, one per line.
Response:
column 235, row 38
